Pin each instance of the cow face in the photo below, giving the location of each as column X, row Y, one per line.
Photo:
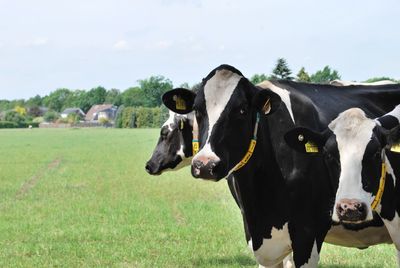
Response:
column 173, row 149
column 225, row 108
column 354, row 149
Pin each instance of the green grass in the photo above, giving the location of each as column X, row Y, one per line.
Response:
column 81, row 198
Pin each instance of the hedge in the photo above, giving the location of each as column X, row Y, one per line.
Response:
column 141, row 117
column 8, row 124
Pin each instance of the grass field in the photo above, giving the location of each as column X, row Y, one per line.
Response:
column 81, row 198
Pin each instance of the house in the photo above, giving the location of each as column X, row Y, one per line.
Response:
column 69, row 111
column 97, row 112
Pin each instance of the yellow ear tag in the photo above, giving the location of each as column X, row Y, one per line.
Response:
column 311, row 147
column 181, row 124
column 180, row 103
column 195, row 146
column 395, row 148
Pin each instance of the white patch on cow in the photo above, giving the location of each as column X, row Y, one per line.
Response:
column 370, row 236
column 395, row 112
column 283, row 93
column 170, row 120
column 180, row 152
column 217, row 92
column 184, row 163
column 393, row 228
column 314, row 258
column 353, row 132
column 349, row 83
column 276, row 248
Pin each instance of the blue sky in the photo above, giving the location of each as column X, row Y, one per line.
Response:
column 45, row 45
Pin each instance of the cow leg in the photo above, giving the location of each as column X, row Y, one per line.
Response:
column 286, row 263
column 393, row 228
column 280, row 265
column 314, row 257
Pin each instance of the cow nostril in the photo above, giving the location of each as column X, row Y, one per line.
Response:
column 147, row 167
column 360, row 207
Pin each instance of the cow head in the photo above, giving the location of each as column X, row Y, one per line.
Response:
column 226, row 108
column 354, row 151
column 174, row 146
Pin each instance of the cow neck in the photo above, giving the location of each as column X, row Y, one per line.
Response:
column 250, row 151
column 379, row 193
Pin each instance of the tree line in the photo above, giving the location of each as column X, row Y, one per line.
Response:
column 147, row 96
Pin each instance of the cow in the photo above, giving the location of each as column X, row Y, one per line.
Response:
column 286, row 204
column 164, row 159
column 362, row 154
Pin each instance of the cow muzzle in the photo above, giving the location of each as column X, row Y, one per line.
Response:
column 351, row 210
column 206, row 167
column 152, row 168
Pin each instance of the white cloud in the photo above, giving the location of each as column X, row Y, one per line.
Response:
column 163, row 44
column 121, row 45
column 37, row 42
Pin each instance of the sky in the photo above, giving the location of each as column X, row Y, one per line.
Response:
column 81, row 44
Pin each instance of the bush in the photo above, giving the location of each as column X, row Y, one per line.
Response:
column 8, row 124
column 142, row 117
column 38, row 120
column 50, row 116
column 13, row 116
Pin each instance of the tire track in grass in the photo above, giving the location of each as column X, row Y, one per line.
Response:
column 30, row 183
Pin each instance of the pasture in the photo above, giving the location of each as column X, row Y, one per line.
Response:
column 81, row 198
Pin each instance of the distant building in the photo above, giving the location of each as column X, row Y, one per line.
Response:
column 106, row 111
column 69, row 111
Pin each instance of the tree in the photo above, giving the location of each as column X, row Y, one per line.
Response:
column 134, row 96
column 282, row 70
column 34, row 101
column 377, row 79
column 21, row 110
column 325, row 75
column 50, row 116
column 185, row 85
column 96, row 95
column 154, row 87
column 303, row 76
column 258, row 78
column 114, row 97
column 56, row 99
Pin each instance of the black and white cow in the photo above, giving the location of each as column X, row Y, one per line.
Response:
column 174, row 147
column 362, row 154
column 286, row 203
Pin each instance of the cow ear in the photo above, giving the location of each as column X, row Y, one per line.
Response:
column 305, row 140
column 393, row 139
column 266, row 101
column 179, row 100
